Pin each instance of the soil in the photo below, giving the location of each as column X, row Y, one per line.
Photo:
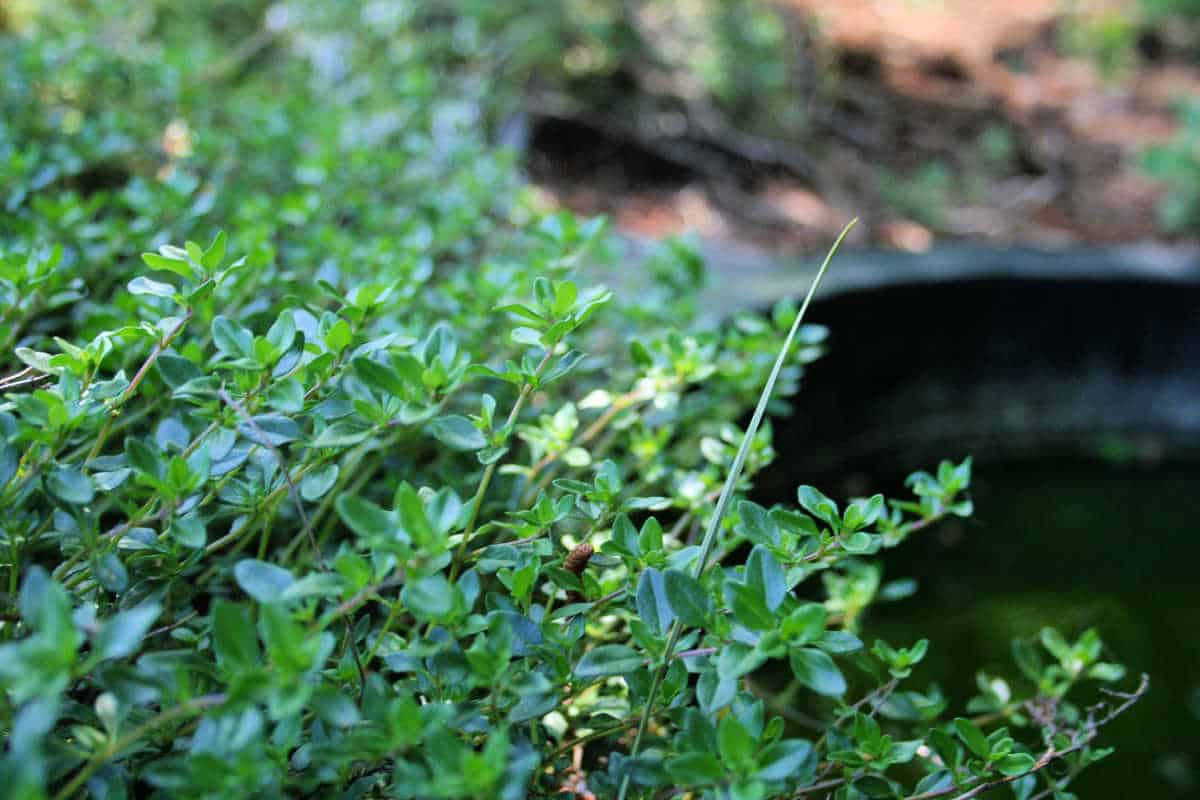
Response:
column 946, row 120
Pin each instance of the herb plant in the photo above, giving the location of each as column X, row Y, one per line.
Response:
column 380, row 494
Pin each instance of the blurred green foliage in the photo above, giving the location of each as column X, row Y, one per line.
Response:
column 1177, row 164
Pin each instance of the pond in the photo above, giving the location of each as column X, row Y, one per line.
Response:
column 1073, row 544
column 1080, row 402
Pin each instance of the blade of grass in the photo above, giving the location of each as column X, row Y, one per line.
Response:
column 735, row 471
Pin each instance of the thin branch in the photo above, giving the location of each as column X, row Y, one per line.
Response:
column 1081, row 740
column 485, row 481
column 731, row 482
column 351, row 605
column 98, row 760
column 265, row 439
column 159, row 346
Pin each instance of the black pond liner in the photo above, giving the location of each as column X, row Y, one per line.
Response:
column 1080, row 403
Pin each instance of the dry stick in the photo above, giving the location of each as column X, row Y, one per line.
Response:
column 621, row 403
column 1089, row 732
column 21, row 378
column 731, row 481
column 351, row 605
column 820, row 787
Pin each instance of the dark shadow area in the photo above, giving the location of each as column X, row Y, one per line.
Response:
column 1078, row 401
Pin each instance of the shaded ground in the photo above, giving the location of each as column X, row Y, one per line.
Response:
column 945, row 119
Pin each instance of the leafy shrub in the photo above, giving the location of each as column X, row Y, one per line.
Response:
column 1177, row 164
column 738, row 56
column 379, row 495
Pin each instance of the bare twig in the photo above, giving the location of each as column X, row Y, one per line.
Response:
column 1080, row 740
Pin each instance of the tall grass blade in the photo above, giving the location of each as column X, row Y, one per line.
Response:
column 735, row 472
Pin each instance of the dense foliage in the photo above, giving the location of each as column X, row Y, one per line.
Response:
column 1177, row 164
column 375, row 494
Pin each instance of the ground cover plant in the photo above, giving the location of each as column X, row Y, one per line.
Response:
column 328, row 468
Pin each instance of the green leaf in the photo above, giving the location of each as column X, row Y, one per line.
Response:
column 458, row 433
column 874, row 786
column 318, row 481
column 234, row 640
column 271, row 430
column 215, row 253
column 972, row 737
column 1023, row 788
column 430, row 599
column 1026, row 657
column 342, row 434
column 263, row 581
column 71, row 486
column 176, row 370
column 377, row 376
column 791, row 760
column 122, row 634
column 414, row 521
column 286, row 396
column 765, row 574
column 819, row 505
column 606, row 660
column 232, row 339
column 757, row 525
column 816, row 670
column 364, row 517
column 339, row 336
column 144, row 285
column 748, row 606
column 1105, row 671
column 1016, row 764
column 335, row 708
column 44, row 603
column 805, row 624
column 9, row 459
column 110, row 572
column 654, row 608
column 177, row 265
column 687, row 597
column 625, row 536
column 839, row 642
column 695, row 769
column 859, row 542
column 714, row 691
column 739, row 659
column 735, row 743
column 863, row 513
column 1053, row 641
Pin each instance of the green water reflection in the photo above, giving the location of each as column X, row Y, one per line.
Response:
column 1075, row 545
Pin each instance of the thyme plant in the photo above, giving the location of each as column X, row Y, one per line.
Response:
column 381, row 494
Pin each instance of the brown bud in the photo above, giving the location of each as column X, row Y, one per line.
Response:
column 577, row 559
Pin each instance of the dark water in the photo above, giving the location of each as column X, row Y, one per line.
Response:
column 1078, row 399
column 1072, row 544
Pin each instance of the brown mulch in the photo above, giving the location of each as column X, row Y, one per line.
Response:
column 923, row 82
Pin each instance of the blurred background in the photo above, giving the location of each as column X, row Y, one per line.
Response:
column 1023, row 285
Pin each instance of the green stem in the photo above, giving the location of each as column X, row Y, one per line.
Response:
column 387, row 625
column 731, row 481
column 114, row 749
column 485, row 481
column 159, row 346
